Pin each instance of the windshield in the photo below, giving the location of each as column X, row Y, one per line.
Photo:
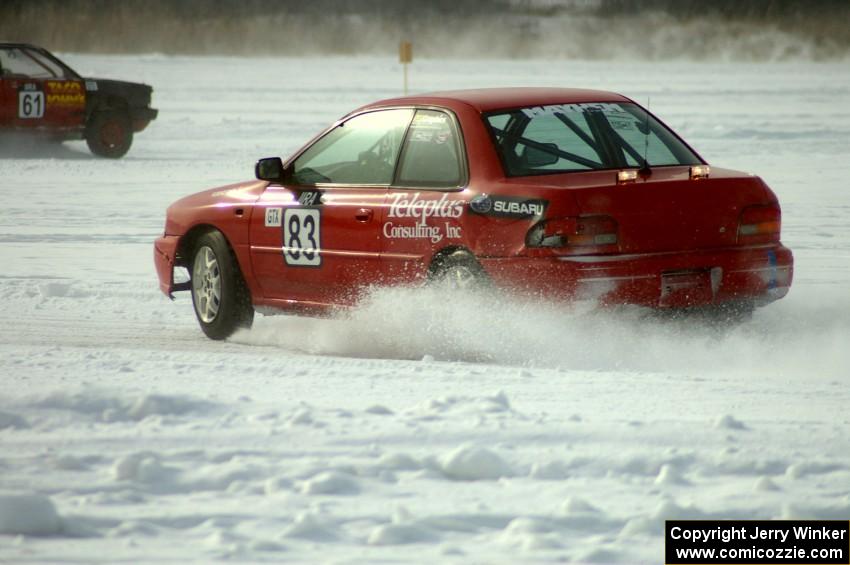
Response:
column 581, row 137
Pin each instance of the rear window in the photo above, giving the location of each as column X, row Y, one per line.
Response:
column 582, row 137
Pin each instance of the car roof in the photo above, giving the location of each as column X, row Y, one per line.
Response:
column 489, row 99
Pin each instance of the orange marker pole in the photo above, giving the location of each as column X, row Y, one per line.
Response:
column 405, row 56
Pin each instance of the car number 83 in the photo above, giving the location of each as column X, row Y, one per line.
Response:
column 301, row 237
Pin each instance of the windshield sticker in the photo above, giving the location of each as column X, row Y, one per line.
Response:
column 508, row 206
column 422, row 135
column 421, row 119
column 571, row 108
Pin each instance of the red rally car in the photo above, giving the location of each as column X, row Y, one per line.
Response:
column 559, row 192
column 41, row 95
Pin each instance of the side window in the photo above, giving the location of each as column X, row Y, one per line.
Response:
column 15, row 61
column 431, row 153
column 362, row 150
column 55, row 70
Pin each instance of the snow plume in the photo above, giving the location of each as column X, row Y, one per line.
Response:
column 807, row 336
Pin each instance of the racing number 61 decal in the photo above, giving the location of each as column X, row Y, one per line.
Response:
column 30, row 104
column 301, row 237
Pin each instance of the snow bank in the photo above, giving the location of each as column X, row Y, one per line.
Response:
column 14, row 421
column 28, row 514
column 473, row 463
column 115, row 408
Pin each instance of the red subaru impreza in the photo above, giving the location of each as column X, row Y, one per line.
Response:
column 559, row 192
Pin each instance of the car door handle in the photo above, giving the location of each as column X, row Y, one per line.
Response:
column 363, row 215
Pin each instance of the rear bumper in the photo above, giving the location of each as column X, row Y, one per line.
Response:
column 759, row 274
column 164, row 255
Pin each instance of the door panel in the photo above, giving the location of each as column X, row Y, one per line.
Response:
column 311, row 245
column 316, row 238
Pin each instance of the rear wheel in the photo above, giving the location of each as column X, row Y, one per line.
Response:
column 219, row 294
column 109, row 133
column 458, row 270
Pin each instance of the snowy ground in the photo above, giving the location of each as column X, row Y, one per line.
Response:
column 417, row 429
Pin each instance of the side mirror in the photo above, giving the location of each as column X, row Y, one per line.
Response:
column 535, row 157
column 270, row 169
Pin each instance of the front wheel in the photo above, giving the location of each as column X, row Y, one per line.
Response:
column 109, row 133
column 219, row 294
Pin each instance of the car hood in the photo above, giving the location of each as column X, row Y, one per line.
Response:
column 135, row 93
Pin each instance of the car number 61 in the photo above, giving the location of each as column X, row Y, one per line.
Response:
column 31, row 104
column 301, row 237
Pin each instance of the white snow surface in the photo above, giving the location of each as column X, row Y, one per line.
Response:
column 418, row 428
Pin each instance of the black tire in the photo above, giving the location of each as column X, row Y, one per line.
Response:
column 109, row 133
column 220, row 296
column 458, row 270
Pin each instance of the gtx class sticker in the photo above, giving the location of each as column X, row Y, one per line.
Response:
column 273, row 217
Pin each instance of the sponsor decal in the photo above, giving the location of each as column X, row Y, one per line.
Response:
column 274, row 217
column 481, row 204
column 413, row 206
column 66, row 86
column 434, row 233
column 310, row 198
column 66, row 99
column 508, row 206
column 423, row 211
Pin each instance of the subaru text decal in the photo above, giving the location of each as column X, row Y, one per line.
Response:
column 508, row 206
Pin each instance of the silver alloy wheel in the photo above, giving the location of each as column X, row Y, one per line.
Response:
column 206, row 284
column 460, row 277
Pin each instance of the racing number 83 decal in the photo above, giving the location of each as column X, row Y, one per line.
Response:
column 30, row 104
column 301, row 237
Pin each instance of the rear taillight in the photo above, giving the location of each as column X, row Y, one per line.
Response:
column 584, row 234
column 760, row 224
